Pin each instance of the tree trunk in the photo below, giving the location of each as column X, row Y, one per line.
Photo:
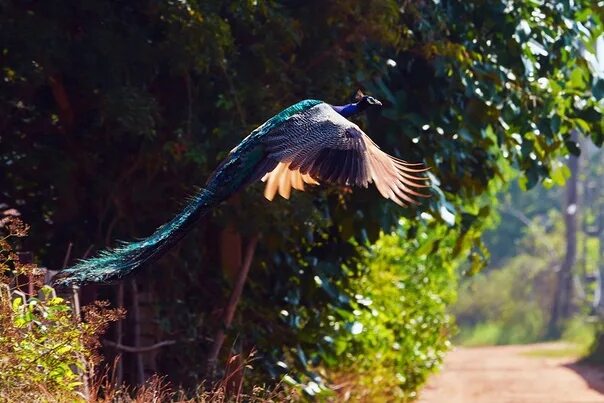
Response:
column 599, row 298
column 562, row 306
column 119, row 376
column 229, row 311
column 140, row 369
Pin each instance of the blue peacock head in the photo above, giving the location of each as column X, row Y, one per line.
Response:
column 366, row 101
column 362, row 103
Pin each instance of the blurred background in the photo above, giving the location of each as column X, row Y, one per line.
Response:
column 113, row 113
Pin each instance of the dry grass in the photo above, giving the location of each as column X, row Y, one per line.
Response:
column 157, row 389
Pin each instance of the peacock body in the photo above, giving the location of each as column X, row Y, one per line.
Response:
column 310, row 142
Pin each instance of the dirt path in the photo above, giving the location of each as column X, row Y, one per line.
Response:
column 514, row 374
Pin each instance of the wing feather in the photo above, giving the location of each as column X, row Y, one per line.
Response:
column 272, row 181
column 285, row 186
column 319, row 145
column 297, row 182
column 389, row 173
column 346, row 169
column 282, row 179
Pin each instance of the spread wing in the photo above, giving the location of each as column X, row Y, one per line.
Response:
column 321, row 146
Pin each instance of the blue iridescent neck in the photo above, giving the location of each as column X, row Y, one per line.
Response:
column 348, row 110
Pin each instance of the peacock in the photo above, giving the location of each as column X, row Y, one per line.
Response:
column 308, row 143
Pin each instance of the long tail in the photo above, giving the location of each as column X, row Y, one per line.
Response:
column 113, row 264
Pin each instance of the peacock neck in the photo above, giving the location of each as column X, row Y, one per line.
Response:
column 348, row 110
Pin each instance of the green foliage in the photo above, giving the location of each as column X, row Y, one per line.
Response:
column 44, row 349
column 400, row 330
column 581, row 331
column 515, row 209
column 511, row 303
column 504, row 306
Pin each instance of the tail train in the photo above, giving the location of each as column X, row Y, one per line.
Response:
column 113, row 264
column 230, row 177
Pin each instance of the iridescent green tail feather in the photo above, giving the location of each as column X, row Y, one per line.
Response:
column 113, row 264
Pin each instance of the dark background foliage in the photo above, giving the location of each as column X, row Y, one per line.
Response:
column 112, row 113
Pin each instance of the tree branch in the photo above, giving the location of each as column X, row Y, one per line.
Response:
column 62, row 99
column 232, row 304
column 131, row 349
column 140, row 370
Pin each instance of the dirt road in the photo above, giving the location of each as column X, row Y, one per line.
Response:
column 514, row 374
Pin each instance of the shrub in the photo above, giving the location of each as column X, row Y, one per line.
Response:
column 401, row 330
column 512, row 303
column 507, row 305
column 44, row 350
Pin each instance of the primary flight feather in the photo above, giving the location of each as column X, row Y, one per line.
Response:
column 308, row 143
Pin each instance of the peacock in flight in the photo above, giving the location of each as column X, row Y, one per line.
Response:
column 308, row 143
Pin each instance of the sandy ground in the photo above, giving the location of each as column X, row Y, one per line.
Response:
column 514, row 374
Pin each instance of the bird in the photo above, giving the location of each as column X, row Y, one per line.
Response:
column 309, row 143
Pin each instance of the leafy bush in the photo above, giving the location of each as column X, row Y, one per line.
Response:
column 506, row 306
column 511, row 304
column 580, row 331
column 401, row 329
column 44, row 350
